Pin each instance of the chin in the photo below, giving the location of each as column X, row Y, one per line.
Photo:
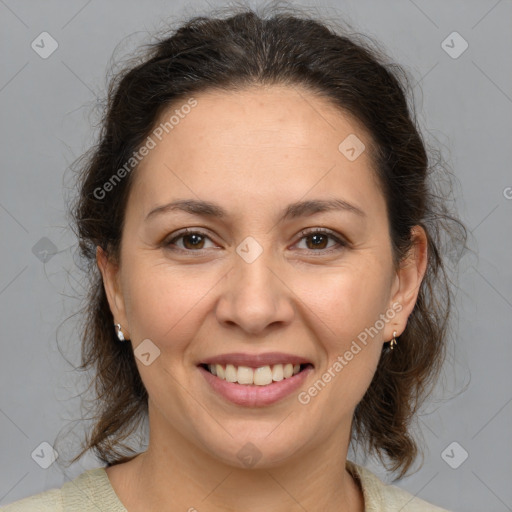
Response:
column 256, row 452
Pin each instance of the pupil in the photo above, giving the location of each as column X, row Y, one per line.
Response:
column 317, row 242
column 194, row 236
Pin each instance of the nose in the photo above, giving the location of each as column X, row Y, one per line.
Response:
column 255, row 297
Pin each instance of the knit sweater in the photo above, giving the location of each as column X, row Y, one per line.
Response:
column 92, row 491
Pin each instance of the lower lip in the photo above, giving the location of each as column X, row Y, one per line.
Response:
column 253, row 395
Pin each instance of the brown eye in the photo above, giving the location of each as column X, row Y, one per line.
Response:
column 195, row 241
column 317, row 241
column 192, row 241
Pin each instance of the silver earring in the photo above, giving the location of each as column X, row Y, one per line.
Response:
column 120, row 334
column 392, row 343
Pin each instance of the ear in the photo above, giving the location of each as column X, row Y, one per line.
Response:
column 110, row 275
column 407, row 281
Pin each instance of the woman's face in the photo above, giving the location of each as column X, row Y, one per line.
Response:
column 250, row 281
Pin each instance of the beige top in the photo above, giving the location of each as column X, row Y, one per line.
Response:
column 91, row 491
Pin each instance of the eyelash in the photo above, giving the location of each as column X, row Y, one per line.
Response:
column 341, row 244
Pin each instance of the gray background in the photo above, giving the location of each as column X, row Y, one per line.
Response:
column 464, row 102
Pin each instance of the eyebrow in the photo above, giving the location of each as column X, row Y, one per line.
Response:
column 292, row 211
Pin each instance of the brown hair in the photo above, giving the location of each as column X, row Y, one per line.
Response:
column 228, row 53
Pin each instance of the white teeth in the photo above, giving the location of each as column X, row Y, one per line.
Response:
column 277, row 372
column 261, row 376
column 245, row 375
column 231, row 373
column 221, row 373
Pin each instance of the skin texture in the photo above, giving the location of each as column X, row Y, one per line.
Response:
column 254, row 152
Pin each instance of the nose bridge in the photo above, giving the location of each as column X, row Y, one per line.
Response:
column 253, row 266
column 254, row 296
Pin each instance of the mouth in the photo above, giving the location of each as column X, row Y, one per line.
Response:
column 255, row 387
column 261, row 376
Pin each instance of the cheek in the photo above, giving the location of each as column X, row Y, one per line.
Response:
column 349, row 304
column 346, row 307
column 163, row 302
column 346, row 300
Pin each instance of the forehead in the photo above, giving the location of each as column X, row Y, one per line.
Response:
column 258, row 142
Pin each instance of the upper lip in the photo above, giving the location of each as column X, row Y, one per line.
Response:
column 255, row 360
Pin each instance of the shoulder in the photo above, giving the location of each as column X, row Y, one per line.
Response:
column 381, row 497
column 43, row 502
column 90, row 491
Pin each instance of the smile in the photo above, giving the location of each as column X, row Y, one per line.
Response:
column 262, row 376
column 252, row 394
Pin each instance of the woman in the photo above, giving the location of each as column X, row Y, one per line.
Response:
column 268, row 284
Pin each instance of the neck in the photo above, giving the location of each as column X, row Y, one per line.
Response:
column 175, row 474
